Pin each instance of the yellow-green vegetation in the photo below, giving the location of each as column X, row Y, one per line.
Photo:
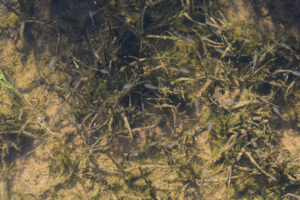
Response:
column 170, row 99
column 8, row 19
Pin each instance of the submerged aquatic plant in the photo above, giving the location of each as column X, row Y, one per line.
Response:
column 61, row 147
column 4, row 82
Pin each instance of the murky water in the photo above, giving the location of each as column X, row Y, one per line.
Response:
column 154, row 100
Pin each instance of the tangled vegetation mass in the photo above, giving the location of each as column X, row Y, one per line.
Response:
column 147, row 99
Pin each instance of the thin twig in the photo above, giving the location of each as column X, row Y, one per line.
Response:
column 248, row 154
